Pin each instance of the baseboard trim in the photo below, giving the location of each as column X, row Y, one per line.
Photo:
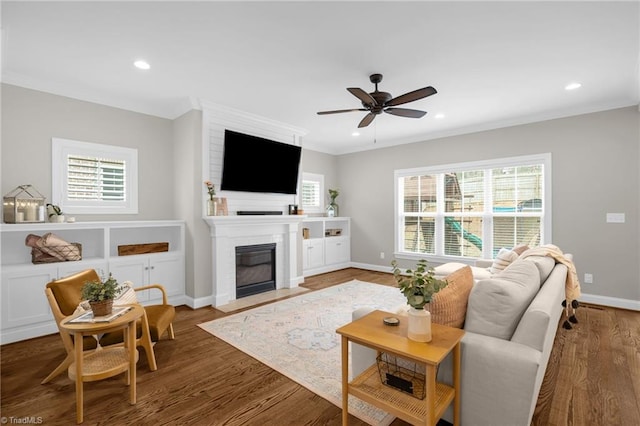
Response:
column 613, row 302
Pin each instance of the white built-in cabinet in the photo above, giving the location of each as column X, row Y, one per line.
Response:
column 24, row 310
column 326, row 245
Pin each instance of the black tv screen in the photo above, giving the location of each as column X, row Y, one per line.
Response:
column 254, row 164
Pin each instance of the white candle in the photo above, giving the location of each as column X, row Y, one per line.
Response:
column 20, row 217
column 31, row 213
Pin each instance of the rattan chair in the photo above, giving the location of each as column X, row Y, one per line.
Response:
column 64, row 296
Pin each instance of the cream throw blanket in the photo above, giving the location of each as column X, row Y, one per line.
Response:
column 572, row 285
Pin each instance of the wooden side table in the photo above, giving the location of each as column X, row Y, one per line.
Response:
column 104, row 362
column 371, row 332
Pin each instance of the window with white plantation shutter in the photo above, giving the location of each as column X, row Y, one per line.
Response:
column 472, row 210
column 312, row 189
column 93, row 178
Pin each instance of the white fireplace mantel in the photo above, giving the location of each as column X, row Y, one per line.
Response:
column 229, row 232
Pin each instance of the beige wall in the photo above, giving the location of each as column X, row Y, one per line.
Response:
column 31, row 118
column 595, row 171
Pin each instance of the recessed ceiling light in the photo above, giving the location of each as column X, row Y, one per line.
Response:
column 355, row 134
column 143, row 65
column 572, row 86
column 439, row 115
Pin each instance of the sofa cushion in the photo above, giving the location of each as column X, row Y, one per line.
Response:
column 504, row 258
column 449, row 305
column 544, row 264
column 496, row 304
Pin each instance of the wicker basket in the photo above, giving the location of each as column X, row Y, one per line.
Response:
column 402, row 374
column 102, row 308
column 64, row 253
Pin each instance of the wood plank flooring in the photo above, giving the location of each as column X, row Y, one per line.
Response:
column 593, row 378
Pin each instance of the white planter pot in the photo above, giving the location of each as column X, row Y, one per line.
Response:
column 419, row 328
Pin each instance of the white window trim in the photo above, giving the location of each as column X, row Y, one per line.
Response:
column 545, row 238
column 62, row 148
column 315, row 178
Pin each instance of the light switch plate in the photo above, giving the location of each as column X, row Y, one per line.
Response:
column 615, row 218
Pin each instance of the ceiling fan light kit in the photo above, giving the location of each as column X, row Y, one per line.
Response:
column 377, row 102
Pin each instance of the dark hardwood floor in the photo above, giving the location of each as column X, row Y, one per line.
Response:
column 593, row 378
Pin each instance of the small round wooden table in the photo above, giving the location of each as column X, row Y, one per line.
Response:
column 104, row 362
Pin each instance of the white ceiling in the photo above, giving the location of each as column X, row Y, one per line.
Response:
column 493, row 63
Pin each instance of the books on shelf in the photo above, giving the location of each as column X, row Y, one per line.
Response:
column 88, row 316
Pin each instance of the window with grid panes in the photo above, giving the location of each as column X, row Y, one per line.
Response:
column 471, row 210
column 94, row 178
column 311, row 194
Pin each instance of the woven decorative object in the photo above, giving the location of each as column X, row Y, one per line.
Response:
column 102, row 308
column 63, row 253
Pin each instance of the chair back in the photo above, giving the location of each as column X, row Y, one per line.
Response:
column 67, row 291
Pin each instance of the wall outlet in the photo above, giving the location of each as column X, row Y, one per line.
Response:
column 381, row 255
column 588, row 278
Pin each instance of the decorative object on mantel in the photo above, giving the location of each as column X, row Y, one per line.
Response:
column 211, row 204
column 221, row 206
column 418, row 287
column 50, row 248
column 23, row 204
column 100, row 295
column 55, row 213
column 332, row 208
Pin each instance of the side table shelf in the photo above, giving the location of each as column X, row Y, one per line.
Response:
column 369, row 388
column 103, row 363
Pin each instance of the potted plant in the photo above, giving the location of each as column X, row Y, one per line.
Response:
column 55, row 213
column 100, row 295
column 418, row 286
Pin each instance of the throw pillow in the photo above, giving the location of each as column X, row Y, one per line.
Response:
column 502, row 260
column 520, row 248
column 497, row 304
column 449, row 305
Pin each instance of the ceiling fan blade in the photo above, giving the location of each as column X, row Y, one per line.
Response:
column 366, row 98
column 412, row 96
column 405, row 112
column 337, row 111
column 367, row 120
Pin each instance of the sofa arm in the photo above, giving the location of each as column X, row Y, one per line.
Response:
column 497, row 381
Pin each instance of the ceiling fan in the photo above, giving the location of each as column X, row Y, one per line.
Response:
column 378, row 102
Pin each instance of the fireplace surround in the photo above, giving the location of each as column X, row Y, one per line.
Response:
column 229, row 232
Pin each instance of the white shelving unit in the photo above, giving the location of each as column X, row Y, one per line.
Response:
column 327, row 245
column 25, row 311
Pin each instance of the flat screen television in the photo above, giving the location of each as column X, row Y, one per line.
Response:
column 254, row 164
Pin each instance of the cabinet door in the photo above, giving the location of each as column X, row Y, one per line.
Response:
column 167, row 270
column 69, row 268
column 134, row 269
column 337, row 250
column 313, row 253
column 23, row 298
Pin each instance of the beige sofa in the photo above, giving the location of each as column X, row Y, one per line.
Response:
column 510, row 325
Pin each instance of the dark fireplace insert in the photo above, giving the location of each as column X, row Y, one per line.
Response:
column 255, row 269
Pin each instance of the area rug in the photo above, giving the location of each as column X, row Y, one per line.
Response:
column 297, row 337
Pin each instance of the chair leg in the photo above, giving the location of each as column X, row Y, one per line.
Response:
column 64, row 365
column 171, row 335
column 147, row 344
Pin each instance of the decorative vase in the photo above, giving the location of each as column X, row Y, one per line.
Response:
column 419, row 328
column 332, row 209
column 211, row 207
column 102, row 308
column 57, row 218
